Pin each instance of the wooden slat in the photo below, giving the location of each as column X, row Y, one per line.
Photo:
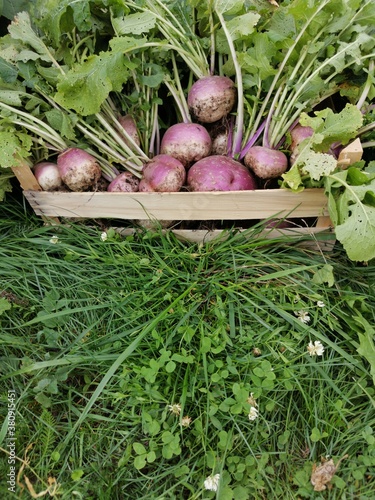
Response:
column 235, row 205
column 26, row 178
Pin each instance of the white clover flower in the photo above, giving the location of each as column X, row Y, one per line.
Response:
column 54, row 240
column 103, row 236
column 320, row 303
column 185, row 421
column 303, row 316
column 175, row 408
column 212, row 482
column 253, row 413
column 316, row 348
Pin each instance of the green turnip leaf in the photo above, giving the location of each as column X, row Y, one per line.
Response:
column 330, row 127
column 85, row 87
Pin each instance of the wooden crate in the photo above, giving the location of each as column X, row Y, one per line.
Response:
column 255, row 205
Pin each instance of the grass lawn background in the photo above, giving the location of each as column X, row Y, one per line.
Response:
column 143, row 365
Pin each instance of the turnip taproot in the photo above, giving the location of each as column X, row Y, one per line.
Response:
column 188, row 142
column 219, row 173
column 124, row 182
column 266, row 163
column 211, row 98
column 163, row 173
column 78, row 169
column 48, row 176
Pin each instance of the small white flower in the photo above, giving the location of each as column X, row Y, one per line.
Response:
column 54, row 240
column 212, row 482
column 316, row 348
column 185, row 421
column 320, row 303
column 253, row 413
column 303, row 316
column 103, row 236
column 175, row 408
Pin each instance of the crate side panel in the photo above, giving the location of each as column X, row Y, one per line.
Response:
column 236, row 205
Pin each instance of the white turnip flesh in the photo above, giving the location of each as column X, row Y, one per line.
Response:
column 266, row 163
column 48, row 176
column 188, row 142
column 78, row 169
column 219, row 173
column 162, row 174
column 130, row 127
column 211, row 98
column 124, row 183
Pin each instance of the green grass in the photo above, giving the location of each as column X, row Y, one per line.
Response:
column 98, row 338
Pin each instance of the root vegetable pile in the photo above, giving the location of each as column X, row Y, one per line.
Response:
column 273, row 90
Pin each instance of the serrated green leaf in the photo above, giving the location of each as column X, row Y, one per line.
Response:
column 86, row 86
column 292, row 179
column 61, row 122
column 330, row 127
column 228, row 6
column 357, row 233
column 8, row 72
column 13, row 147
column 21, row 29
column 317, row 165
column 243, row 26
column 59, row 16
column 135, row 24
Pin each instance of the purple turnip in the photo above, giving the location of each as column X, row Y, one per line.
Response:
column 163, row 173
column 125, row 183
column 211, row 98
column 298, row 134
column 266, row 163
column 78, row 169
column 219, row 173
column 48, row 176
column 130, row 127
column 188, row 142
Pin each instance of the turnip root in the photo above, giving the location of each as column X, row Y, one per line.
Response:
column 125, row 183
column 188, row 142
column 266, row 163
column 220, row 144
column 211, row 98
column 163, row 173
column 219, row 173
column 130, row 127
column 78, row 169
column 48, row 176
column 298, row 134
